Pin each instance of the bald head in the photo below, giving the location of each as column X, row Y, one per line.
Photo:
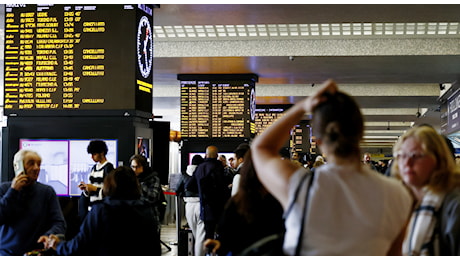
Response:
column 211, row 151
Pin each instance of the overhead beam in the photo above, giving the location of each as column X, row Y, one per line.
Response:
column 320, row 47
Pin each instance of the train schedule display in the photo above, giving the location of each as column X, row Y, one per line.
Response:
column 77, row 58
column 300, row 140
column 217, row 107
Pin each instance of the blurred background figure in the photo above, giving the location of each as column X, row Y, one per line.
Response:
column 319, row 160
column 382, row 166
column 208, row 181
column 231, row 161
column 238, row 154
column 192, row 205
column 424, row 162
column 250, row 215
column 229, row 172
column 295, row 158
column 368, row 161
column 151, row 190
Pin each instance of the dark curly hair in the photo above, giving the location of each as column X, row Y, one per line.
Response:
column 97, row 146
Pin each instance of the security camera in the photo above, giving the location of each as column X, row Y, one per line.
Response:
column 291, row 58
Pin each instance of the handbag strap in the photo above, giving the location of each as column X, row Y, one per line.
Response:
column 304, row 213
column 296, row 194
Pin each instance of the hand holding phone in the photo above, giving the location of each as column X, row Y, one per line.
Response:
column 18, row 167
column 83, row 186
column 20, row 181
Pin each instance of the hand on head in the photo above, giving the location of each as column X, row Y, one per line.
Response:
column 329, row 86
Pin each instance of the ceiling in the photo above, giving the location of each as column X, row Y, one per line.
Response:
column 391, row 76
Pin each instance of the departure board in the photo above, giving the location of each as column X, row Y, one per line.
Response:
column 453, row 111
column 217, row 108
column 78, row 57
column 300, row 134
column 300, row 138
column 266, row 115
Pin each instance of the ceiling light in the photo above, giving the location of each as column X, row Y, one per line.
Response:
column 309, row 30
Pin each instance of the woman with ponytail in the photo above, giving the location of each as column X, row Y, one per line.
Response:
column 344, row 208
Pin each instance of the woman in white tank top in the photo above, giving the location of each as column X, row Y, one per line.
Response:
column 351, row 209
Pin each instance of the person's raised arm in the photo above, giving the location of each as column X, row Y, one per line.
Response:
column 273, row 171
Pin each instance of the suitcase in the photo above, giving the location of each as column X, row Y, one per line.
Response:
column 186, row 243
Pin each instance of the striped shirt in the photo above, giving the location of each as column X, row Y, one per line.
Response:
column 96, row 177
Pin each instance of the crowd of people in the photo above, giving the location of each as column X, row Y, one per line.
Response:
column 336, row 203
column 119, row 210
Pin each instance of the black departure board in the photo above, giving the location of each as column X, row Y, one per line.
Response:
column 266, row 115
column 216, row 108
column 300, row 134
column 301, row 138
column 78, row 57
column 453, row 112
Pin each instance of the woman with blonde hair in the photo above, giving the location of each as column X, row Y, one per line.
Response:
column 424, row 162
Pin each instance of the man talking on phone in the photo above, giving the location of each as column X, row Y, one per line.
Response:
column 29, row 210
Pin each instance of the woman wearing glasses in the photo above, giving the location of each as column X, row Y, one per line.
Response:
column 151, row 190
column 424, row 162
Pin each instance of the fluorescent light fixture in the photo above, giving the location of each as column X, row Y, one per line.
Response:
column 309, row 30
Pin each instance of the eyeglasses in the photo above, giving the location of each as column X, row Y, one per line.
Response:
column 135, row 166
column 410, row 156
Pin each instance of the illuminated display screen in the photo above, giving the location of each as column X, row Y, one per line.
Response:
column 300, row 138
column 300, row 134
column 453, row 118
column 66, row 162
column 217, row 108
column 78, row 57
column 266, row 115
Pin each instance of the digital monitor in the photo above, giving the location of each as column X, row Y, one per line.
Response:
column 65, row 162
column 71, row 57
column 217, row 106
column 267, row 114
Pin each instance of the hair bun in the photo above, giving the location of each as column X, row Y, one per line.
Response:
column 333, row 131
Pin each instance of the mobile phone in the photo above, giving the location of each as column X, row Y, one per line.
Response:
column 18, row 167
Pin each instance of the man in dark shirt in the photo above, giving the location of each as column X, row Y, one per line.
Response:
column 208, row 181
column 29, row 210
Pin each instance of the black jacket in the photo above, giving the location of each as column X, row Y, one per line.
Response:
column 448, row 224
column 208, row 180
column 115, row 227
